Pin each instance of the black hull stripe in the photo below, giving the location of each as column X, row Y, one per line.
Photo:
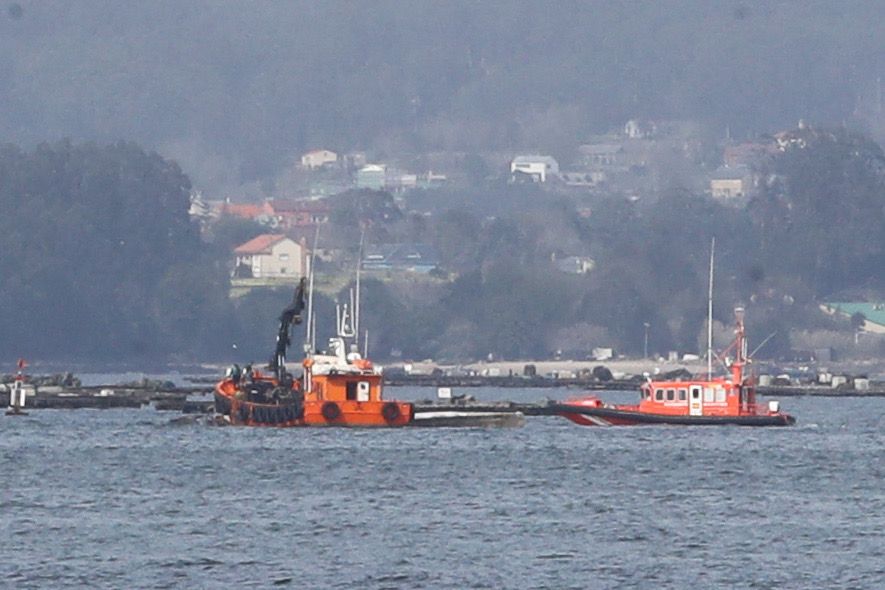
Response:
column 262, row 413
column 644, row 418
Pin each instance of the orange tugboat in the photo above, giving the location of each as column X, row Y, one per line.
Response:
column 729, row 399
column 338, row 388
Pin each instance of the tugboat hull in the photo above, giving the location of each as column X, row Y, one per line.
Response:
column 314, row 413
column 613, row 416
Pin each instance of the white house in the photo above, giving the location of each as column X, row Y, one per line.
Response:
column 318, row 159
column 271, row 256
column 638, row 129
column 536, row 168
column 728, row 183
column 579, row 265
column 372, row 176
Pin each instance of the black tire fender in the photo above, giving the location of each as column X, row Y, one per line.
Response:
column 331, row 411
column 391, row 412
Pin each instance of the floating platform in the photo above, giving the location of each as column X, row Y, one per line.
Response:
column 468, row 419
column 536, row 382
column 542, row 408
column 103, row 398
column 817, row 391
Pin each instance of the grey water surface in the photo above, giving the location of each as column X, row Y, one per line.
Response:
column 125, row 499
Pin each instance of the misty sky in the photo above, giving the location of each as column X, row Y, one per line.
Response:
column 235, row 90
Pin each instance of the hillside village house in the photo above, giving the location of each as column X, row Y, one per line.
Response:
column 635, row 129
column 318, row 158
column 578, row 265
column 371, row 176
column 873, row 314
column 536, row 168
column 288, row 214
column 729, row 183
column 406, row 257
column 748, row 154
column 601, row 154
column 271, row 256
column 279, row 213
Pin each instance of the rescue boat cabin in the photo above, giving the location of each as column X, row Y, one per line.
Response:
column 733, row 395
column 718, row 397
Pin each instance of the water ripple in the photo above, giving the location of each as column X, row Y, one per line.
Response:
column 117, row 499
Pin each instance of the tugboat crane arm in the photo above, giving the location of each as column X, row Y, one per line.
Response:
column 291, row 316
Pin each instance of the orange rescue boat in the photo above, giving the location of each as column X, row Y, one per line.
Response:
column 719, row 400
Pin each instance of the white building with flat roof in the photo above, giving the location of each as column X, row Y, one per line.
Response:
column 538, row 168
column 318, row 159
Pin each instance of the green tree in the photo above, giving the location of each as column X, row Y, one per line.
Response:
column 822, row 212
column 99, row 253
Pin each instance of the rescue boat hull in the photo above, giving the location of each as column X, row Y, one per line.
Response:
column 614, row 416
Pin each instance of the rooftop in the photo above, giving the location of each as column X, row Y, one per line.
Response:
column 873, row 312
column 260, row 244
column 528, row 159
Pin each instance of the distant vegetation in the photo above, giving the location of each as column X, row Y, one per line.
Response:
column 101, row 261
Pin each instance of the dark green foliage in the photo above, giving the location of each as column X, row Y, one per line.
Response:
column 100, row 258
column 476, row 169
column 822, row 213
column 229, row 231
column 364, row 207
column 858, row 319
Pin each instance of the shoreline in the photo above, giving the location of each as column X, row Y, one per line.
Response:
column 627, row 367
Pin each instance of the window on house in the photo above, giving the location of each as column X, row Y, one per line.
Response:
column 284, row 257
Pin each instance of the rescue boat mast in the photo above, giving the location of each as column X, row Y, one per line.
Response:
column 710, row 313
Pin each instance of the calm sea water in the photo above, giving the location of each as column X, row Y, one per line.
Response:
column 125, row 499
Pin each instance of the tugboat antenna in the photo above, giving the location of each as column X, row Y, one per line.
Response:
column 311, row 331
column 359, row 265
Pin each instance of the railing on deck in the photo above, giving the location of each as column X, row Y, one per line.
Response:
column 756, row 410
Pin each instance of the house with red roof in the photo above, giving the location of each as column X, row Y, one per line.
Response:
column 271, row 256
column 298, row 213
column 244, row 210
